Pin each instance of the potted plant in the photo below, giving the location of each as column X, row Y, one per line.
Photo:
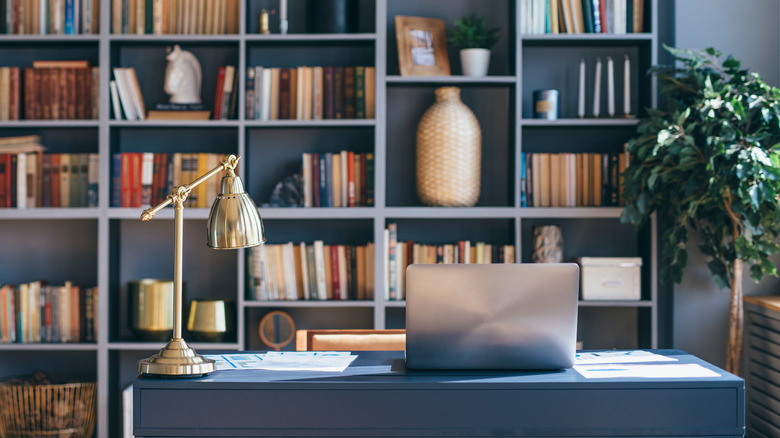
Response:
column 475, row 42
column 710, row 161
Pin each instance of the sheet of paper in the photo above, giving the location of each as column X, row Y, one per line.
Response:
column 331, row 361
column 627, row 356
column 607, row 371
column 236, row 361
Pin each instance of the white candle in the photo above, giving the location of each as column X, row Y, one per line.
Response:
column 283, row 17
column 597, row 88
column 610, row 87
column 581, row 101
column 626, row 86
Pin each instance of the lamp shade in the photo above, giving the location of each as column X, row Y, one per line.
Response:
column 234, row 221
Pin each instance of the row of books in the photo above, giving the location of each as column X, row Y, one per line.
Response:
column 147, row 178
column 572, row 179
column 310, row 93
column 36, row 312
column 49, row 17
column 185, row 17
column 50, row 90
column 581, row 16
column 126, row 98
column 314, row 271
column 341, row 179
column 401, row 254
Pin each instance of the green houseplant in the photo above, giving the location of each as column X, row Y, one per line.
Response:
column 475, row 42
column 710, row 161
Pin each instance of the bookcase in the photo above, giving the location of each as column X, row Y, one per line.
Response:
column 108, row 246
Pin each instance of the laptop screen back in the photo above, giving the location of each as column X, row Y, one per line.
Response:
column 491, row 316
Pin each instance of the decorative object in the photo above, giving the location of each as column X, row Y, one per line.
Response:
column 211, row 320
column 709, row 162
column 233, row 223
column 449, row 152
column 182, row 76
column 422, row 46
column 581, row 96
column 611, row 278
column 332, row 16
column 548, row 244
column 475, row 42
column 546, row 104
column 627, row 86
column 263, row 22
column 610, row 87
column 151, row 308
column 276, row 329
column 37, row 407
column 597, row 89
column 288, row 192
column 283, row 23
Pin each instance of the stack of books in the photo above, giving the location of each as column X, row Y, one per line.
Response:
column 313, row 271
column 59, row 90
column 310, row 93
column 126, row 97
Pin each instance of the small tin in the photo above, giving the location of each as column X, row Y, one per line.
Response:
column 546, row 104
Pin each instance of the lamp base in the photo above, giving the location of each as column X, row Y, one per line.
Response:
column 176, row 359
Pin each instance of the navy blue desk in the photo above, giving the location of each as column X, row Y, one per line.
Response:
column 378, row 397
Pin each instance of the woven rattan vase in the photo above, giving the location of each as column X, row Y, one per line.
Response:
column 449, row 152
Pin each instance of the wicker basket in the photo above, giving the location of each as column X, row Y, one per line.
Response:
column 449, row 152
column 58, row 410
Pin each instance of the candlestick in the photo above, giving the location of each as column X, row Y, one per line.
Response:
column 283, row 17
column 610, row 87
column 626, row 86
column 597, row 88
column 581, row 101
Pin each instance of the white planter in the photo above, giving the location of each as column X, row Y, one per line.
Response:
column 474, row 62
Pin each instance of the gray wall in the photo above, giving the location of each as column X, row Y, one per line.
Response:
column 749, row 30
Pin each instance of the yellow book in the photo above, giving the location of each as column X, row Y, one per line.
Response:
column 596, row 175
column 554, row 16
column 202, row 189
column 336, row 180
column 579, row 182
column 370, row 271
column 274, row 94
column 328, row 271
column 370, row 86
column 556, row 180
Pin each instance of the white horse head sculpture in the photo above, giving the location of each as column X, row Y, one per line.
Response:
column 182, row 76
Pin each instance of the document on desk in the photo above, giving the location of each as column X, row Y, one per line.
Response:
column 653, row 371
column 622, row 356
column 329, row 361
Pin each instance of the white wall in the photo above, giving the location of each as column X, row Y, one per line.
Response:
column 749, row 30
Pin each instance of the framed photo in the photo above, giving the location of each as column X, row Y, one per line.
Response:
column 422, row 46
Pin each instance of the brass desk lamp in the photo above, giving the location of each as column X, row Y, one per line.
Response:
column 234, row 222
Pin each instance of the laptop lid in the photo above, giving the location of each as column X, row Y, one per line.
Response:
column 491, row 316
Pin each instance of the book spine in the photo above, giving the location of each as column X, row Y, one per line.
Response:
column 284, row 94
column 349, row 92
column 328, row 109
column 217, row 113
column 323, row 180
column 250, row 93
column 360, row 92
column 338, row 92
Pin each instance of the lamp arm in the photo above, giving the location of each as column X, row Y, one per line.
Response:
column 179, row 193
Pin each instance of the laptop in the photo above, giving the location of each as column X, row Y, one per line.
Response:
column 491, row 316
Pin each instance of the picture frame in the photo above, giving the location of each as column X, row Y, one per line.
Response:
column 422, row 46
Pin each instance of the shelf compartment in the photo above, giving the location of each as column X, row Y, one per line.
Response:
column 24, row 49
column 558, row 68
column 576, row 138
column 498, row 14
column 307, row 318
column 494, row 111
column 63, row 136
column 623, row 331
column 274, row 154
column 438, row 232
column 147, row 56
column 395, row 316
column 189, row 139
column 57, row 250
column 295, row 53
column 145, row 250
column 70, row 363
column 298, row 25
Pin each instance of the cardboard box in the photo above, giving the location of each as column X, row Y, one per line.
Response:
column 611, row 278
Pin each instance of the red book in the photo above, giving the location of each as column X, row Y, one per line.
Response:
column 284, row 94
column 217, row 113
column 10, row 180
column 315, row 179
column 61, row 93
column 135, row 179
column 351, row 178
column 30, row 91
column 73, row 99
column 3, row 188
column 155, row 179
column 603, row 12
column 126, row 185
column 334, row 272
column 87, row 92
column 328, row 109
column 14, row 103
column 338, row 93
column 55, row 180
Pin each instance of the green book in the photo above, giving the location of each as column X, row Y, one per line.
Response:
column 360, row 92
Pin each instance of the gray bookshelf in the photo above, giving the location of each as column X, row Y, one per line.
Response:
column 109, row 247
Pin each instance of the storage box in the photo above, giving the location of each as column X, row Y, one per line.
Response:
column 611, row 278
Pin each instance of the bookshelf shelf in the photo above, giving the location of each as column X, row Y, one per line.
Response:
column 109, row 246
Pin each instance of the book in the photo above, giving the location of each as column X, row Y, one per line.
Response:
column 273, row 94
column 219, row 93
column 327, row 93
column 370, row 85
column 338, row 92
column 317, row 93
column 284, row 94
column 360, row 92
column 349, row 92
column 178, row 115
